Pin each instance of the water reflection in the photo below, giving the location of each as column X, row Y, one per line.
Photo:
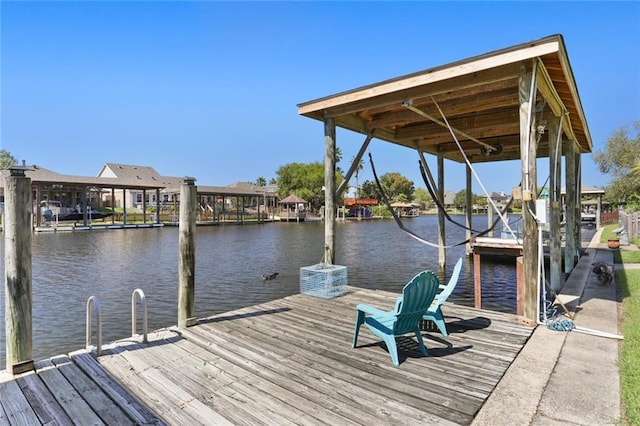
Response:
column 68, row 268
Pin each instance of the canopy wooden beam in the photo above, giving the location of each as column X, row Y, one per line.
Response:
column 480, row 92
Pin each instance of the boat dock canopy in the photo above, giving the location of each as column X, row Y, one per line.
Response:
column 479, row 97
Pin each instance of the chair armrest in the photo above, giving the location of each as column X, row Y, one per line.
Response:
column 370, row 309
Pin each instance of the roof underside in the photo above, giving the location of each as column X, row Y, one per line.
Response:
column 479, row 97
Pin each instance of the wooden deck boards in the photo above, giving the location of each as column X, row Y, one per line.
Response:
column 288, row 361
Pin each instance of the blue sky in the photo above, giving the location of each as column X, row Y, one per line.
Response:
column 210, row 89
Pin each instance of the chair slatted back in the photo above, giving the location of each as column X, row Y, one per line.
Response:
column 417, row 296
column 448, row 289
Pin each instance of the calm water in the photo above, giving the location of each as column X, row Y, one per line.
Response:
column 69, row 267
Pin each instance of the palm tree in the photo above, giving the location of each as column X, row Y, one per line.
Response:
column 357, row 171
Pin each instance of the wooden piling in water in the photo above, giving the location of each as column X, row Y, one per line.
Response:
column 17, row 237
column 187, row 253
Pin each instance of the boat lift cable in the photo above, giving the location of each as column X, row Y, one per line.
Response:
column 414, row 235
column 466, row 159
column 444, row 210
column 395, row 216
column 429, row 182
column 424, row 171
column 429, row 175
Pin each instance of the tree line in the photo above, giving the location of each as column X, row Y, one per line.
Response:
column 620, row 158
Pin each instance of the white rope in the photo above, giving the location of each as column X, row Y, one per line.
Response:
column 466, row 159
column 395, row 216
column 555, row 160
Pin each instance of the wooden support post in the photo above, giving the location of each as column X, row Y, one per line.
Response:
column 124, row 206
column 17, row 261
column 442, row 238
column 187, row 253
column 555, row 169
column 157, row 221
column 329, row 190
column 477, row 281
column 520, row 289
column 599, row 211
column 37, row 219
column 113, row 205
column 469, row 202
column 84, row 209
column 528, row 148
column 578, row 222
column 490, row 213
column 144, row 206
column 572, row 210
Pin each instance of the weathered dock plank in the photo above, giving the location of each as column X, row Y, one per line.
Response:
column 17, row 409
column 41, row 400
column 287, row 361
column 340, row 360
column 290, row 361
column 96, row 398
column 69, row 399
column 327, row 377
column 131, row 405
column 268, row 380
column 170, row 399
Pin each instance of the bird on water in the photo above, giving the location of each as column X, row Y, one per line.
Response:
column 269, row 276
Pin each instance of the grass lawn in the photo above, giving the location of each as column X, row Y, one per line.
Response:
column 629, row 282
column 607, row 233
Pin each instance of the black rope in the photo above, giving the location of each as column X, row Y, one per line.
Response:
column 436, row 199
column 393, row 213
column 444, row 210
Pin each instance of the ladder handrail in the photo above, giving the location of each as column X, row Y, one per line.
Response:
column 143, row 300
column 91, row 303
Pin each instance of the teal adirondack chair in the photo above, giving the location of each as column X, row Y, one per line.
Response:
column 416, row 298
column 434, row 313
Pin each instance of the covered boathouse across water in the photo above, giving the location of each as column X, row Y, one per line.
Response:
column 521, row 102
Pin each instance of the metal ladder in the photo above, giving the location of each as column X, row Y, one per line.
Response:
column 94, row 304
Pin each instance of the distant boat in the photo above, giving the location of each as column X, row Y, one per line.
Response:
column 54, row 210
column 588, row 219
column 407, row 209
column 91, row 215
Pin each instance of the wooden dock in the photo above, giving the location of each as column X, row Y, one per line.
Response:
column 288, row 361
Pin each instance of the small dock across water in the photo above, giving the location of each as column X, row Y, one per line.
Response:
column 288, row 361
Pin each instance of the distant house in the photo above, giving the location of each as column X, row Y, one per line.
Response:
column 449, row 197
column 75, row 198
column 216, row 203
column 500, row 199
column 137, row 198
